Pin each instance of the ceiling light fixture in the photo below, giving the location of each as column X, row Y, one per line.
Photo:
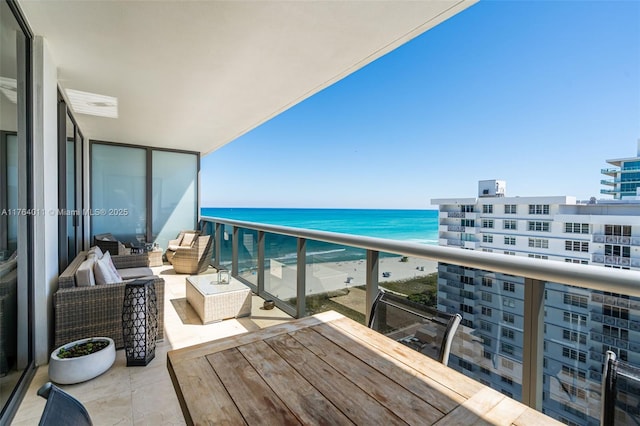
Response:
column 92, row 103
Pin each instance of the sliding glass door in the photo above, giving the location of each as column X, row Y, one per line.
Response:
column 143, row 194
column 16, row 213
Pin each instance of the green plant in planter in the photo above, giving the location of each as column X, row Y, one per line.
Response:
column 81, row 349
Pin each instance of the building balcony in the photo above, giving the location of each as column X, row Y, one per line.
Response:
column 459, row 215
column 242, row 248
column 619, row 180
column 616, row 260
column 616, row 239
column 610, row 171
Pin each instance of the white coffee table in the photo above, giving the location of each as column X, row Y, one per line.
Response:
column 215, row 302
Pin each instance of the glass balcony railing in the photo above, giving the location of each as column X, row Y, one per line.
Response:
column 624, row 179
column 533, row 329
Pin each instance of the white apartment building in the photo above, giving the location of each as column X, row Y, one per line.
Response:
column 580, row 325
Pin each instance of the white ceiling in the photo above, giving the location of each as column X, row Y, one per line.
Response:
column 196, row 75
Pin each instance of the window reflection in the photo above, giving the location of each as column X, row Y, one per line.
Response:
column 12, row 165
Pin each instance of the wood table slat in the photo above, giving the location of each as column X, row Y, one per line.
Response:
column 358, row 406
column 206, row 348
column 306, row 402
column 452, row 379
column 505, row 412
column 203, row 397
column 441, row 397
column 254, row 398
column 406, row 405
column 473, row 410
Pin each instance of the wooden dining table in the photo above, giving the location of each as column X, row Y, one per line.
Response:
column 328, row 369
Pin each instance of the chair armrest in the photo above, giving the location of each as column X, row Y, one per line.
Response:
column 175, row 242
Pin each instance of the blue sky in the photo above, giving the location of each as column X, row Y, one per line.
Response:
column 539, row 94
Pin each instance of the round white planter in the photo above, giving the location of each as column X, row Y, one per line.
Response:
column 66, row 371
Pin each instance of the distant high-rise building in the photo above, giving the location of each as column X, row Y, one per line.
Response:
column 626, row 177
column 580, row 324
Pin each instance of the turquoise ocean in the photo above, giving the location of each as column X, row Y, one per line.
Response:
column 417, row 226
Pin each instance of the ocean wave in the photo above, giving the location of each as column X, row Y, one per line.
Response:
column 316, row 253
column 424, row 241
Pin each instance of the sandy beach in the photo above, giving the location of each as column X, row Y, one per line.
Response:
column 413, row 267
column 331, row 276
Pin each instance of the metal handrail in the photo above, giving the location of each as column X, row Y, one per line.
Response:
column 586, row 276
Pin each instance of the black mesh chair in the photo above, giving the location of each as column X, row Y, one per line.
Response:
column 620, row 392
column 418, row 326
column 62, row 409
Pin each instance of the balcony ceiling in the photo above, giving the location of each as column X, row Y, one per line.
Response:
column 197, row 75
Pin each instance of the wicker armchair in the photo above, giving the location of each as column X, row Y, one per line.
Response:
column 180, row 241
column 195, row 259
column 107, row 242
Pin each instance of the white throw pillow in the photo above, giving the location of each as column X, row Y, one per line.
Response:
column 102, row 272
column 97, row 251
column 114, row 272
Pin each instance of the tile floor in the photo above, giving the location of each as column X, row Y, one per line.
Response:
column 144, row 395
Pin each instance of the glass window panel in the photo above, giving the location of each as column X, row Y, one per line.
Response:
column 174, row 194
column 71, row 195
column 226, row 246
column 248, row 255
column 335, row 279
column 12, row 191
column 15, row 341
column 280, row 274
column 118, row 181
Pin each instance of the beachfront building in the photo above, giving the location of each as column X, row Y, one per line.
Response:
column 580, row 325
column 626, row 177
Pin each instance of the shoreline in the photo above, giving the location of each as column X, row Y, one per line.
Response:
column 356, row 269
column 323, row 277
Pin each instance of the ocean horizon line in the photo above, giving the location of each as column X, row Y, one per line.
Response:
column 320, row 208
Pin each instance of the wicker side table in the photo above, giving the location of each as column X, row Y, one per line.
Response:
column 215, row 302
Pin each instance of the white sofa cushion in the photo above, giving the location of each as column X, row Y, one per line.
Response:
column 84, row 274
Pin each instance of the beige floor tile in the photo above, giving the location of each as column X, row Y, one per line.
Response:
column 116, row 409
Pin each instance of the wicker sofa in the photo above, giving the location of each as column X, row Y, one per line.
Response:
column 97, row 310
